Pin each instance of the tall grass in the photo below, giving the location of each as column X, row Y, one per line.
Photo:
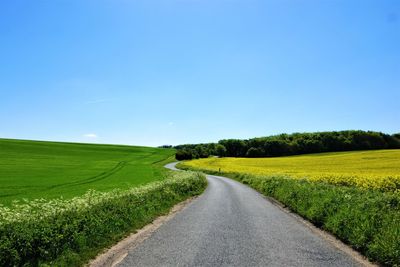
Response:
column 69, row 232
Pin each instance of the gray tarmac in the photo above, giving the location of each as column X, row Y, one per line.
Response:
column 231, row 224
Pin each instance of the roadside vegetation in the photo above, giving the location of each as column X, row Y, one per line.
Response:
column 291, row 144
column 70, row 232
column 63, row 203
column 354, row 195
column 32, row 169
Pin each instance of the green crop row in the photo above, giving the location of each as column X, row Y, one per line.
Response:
column 367, row 220
column 70, row 232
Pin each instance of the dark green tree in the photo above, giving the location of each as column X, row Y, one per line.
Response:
column 220, row 150
column 254, row 152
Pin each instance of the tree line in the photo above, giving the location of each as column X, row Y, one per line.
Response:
column 291, row 144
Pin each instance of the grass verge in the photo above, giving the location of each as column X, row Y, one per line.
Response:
column 367, row 220
column 70, row 232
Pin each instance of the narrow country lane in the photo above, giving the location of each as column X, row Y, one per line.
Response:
column 233, row 225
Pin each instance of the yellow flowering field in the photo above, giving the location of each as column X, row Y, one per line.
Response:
column 378, row 169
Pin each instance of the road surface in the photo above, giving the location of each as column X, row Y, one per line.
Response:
column 231, row 224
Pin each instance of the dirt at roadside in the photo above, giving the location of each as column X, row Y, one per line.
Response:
column 114, row 255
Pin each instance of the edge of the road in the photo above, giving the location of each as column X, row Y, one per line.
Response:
column 333, row 240
column 114, row 255
column 330, row 238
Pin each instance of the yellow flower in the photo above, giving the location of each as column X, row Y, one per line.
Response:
column 377, row 169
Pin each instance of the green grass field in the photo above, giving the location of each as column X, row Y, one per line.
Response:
column 32, row 169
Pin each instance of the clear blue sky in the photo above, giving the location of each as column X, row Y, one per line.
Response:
column 187, row 71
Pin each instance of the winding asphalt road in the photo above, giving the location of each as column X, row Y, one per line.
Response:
column 230, row 224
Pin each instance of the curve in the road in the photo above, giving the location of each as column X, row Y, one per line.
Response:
column 233, row 225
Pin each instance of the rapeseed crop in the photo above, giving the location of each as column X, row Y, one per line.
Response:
column 354, row 195
column 377, row 169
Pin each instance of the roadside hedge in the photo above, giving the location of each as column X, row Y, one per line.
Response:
column 70, row 232
column 367, row 220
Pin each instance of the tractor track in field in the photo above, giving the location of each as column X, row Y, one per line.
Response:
column 93, row 179
column 99, row 177
column 120, row 165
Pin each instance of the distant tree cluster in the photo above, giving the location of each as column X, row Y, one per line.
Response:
column 291, row 144
column 199, row 151
column 165, row 146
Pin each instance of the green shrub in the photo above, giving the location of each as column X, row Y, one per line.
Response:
column 183, row 155
column 254, row 152
column 220, row 150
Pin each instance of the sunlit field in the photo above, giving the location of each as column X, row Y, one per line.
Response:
column 32, row 170
column 379, row 169
column 61, row 204
column 353, row 195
